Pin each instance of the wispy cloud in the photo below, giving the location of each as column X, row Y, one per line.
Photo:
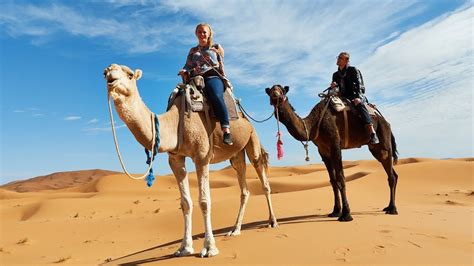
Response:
column 292, row 43
column 135, row 34
column 423, row 81
column 93, row 121
column 103, row 129
column 72, row 118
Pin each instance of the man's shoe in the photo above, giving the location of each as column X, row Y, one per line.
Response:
column 228, row 138
column 373, row 139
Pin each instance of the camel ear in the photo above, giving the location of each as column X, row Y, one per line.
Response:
column 267, row 90
column 138, row 74
column 286, row 89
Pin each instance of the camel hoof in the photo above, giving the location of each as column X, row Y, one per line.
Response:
column 209, row 252
column 334, row 214
column 273, row 223
column 234, row 232
column 391, row 210
column 181, row 252
column 345, row 218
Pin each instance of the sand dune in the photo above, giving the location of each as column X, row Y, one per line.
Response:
column 98, row 216
column 57, row 180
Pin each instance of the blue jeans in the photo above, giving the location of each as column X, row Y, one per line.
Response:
column 215, row 93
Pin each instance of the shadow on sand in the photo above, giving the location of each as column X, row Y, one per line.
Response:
column 223, row 231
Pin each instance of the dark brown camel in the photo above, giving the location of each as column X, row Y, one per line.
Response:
column 329, row 139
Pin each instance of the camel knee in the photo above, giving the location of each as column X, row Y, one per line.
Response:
column 204, row 205
column 266, row 187
column 244, row 195
column 186, row 206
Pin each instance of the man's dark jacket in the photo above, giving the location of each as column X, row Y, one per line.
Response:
column 350, row 82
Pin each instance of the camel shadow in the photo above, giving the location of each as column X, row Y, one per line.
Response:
column 313, row 218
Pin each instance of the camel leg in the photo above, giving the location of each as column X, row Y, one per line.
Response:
column 383, row 155
column 336, row 160
column 238, row 163
column 259, row 159
column 179, row 170
column 336, row 212
column 202, row 171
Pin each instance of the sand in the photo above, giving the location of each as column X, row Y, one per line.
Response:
column 121, row 221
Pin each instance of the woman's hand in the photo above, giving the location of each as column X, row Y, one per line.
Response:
column 184, row 75
column 356, row 101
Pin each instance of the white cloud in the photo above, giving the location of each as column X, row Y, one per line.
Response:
column 72, row 118
column 103, row 129
column 135, row 34
column 93, row 121
column 295, row 42
column 430, row 68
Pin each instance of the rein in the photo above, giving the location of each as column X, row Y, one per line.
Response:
column 245, row 112
column 154, row 148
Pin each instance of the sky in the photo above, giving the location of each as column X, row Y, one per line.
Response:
column 416, row 58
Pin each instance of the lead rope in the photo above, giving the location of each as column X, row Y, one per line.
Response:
column 305, row 145
column 153, row 152
column 279, row 141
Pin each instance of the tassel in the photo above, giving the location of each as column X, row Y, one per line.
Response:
column 150, row 178
column 279, row 146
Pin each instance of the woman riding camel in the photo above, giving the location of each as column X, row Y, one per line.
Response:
column 207, row 60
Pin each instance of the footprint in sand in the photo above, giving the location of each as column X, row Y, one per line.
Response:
column 450, row 202
column 282, row 236
column 342, row 251
column 64, row 259
column 379, row 250
column 22, row 241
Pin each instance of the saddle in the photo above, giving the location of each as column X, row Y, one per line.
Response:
column 195, row 99
column 340, row 104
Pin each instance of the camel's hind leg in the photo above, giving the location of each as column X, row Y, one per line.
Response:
column 383, row 153
column 179, row 170
column 259, row 159
column 238, row 163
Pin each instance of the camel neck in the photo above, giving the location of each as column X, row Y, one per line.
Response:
column 293, row 122
column 139, row 120
column 169, row 129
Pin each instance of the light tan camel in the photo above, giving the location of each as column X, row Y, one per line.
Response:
column 121, row 84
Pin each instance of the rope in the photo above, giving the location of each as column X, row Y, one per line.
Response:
column 153, row 152
column 305, row 145
column 326, row 96
column 245, row 112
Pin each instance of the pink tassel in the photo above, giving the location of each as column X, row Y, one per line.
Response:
column 279, row 146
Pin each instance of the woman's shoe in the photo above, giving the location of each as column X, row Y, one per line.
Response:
column 228, row 138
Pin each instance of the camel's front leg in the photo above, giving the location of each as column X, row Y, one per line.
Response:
column 179, row 170
column 202, row 171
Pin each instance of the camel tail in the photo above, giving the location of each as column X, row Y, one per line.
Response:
column 264, row 159
column 394, row 150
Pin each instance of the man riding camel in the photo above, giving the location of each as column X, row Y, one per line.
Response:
column 351, row 86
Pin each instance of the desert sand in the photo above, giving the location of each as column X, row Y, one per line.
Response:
column 110, row 219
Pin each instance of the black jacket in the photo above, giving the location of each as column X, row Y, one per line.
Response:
column 350, row 82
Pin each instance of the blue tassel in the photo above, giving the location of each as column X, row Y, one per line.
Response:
column 150, row 178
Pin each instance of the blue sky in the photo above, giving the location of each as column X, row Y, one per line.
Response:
column 416, row 57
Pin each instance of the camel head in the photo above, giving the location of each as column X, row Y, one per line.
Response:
column 121, row 81
column 277, row 94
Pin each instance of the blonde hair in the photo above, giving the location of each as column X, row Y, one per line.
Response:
column 210, row 41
